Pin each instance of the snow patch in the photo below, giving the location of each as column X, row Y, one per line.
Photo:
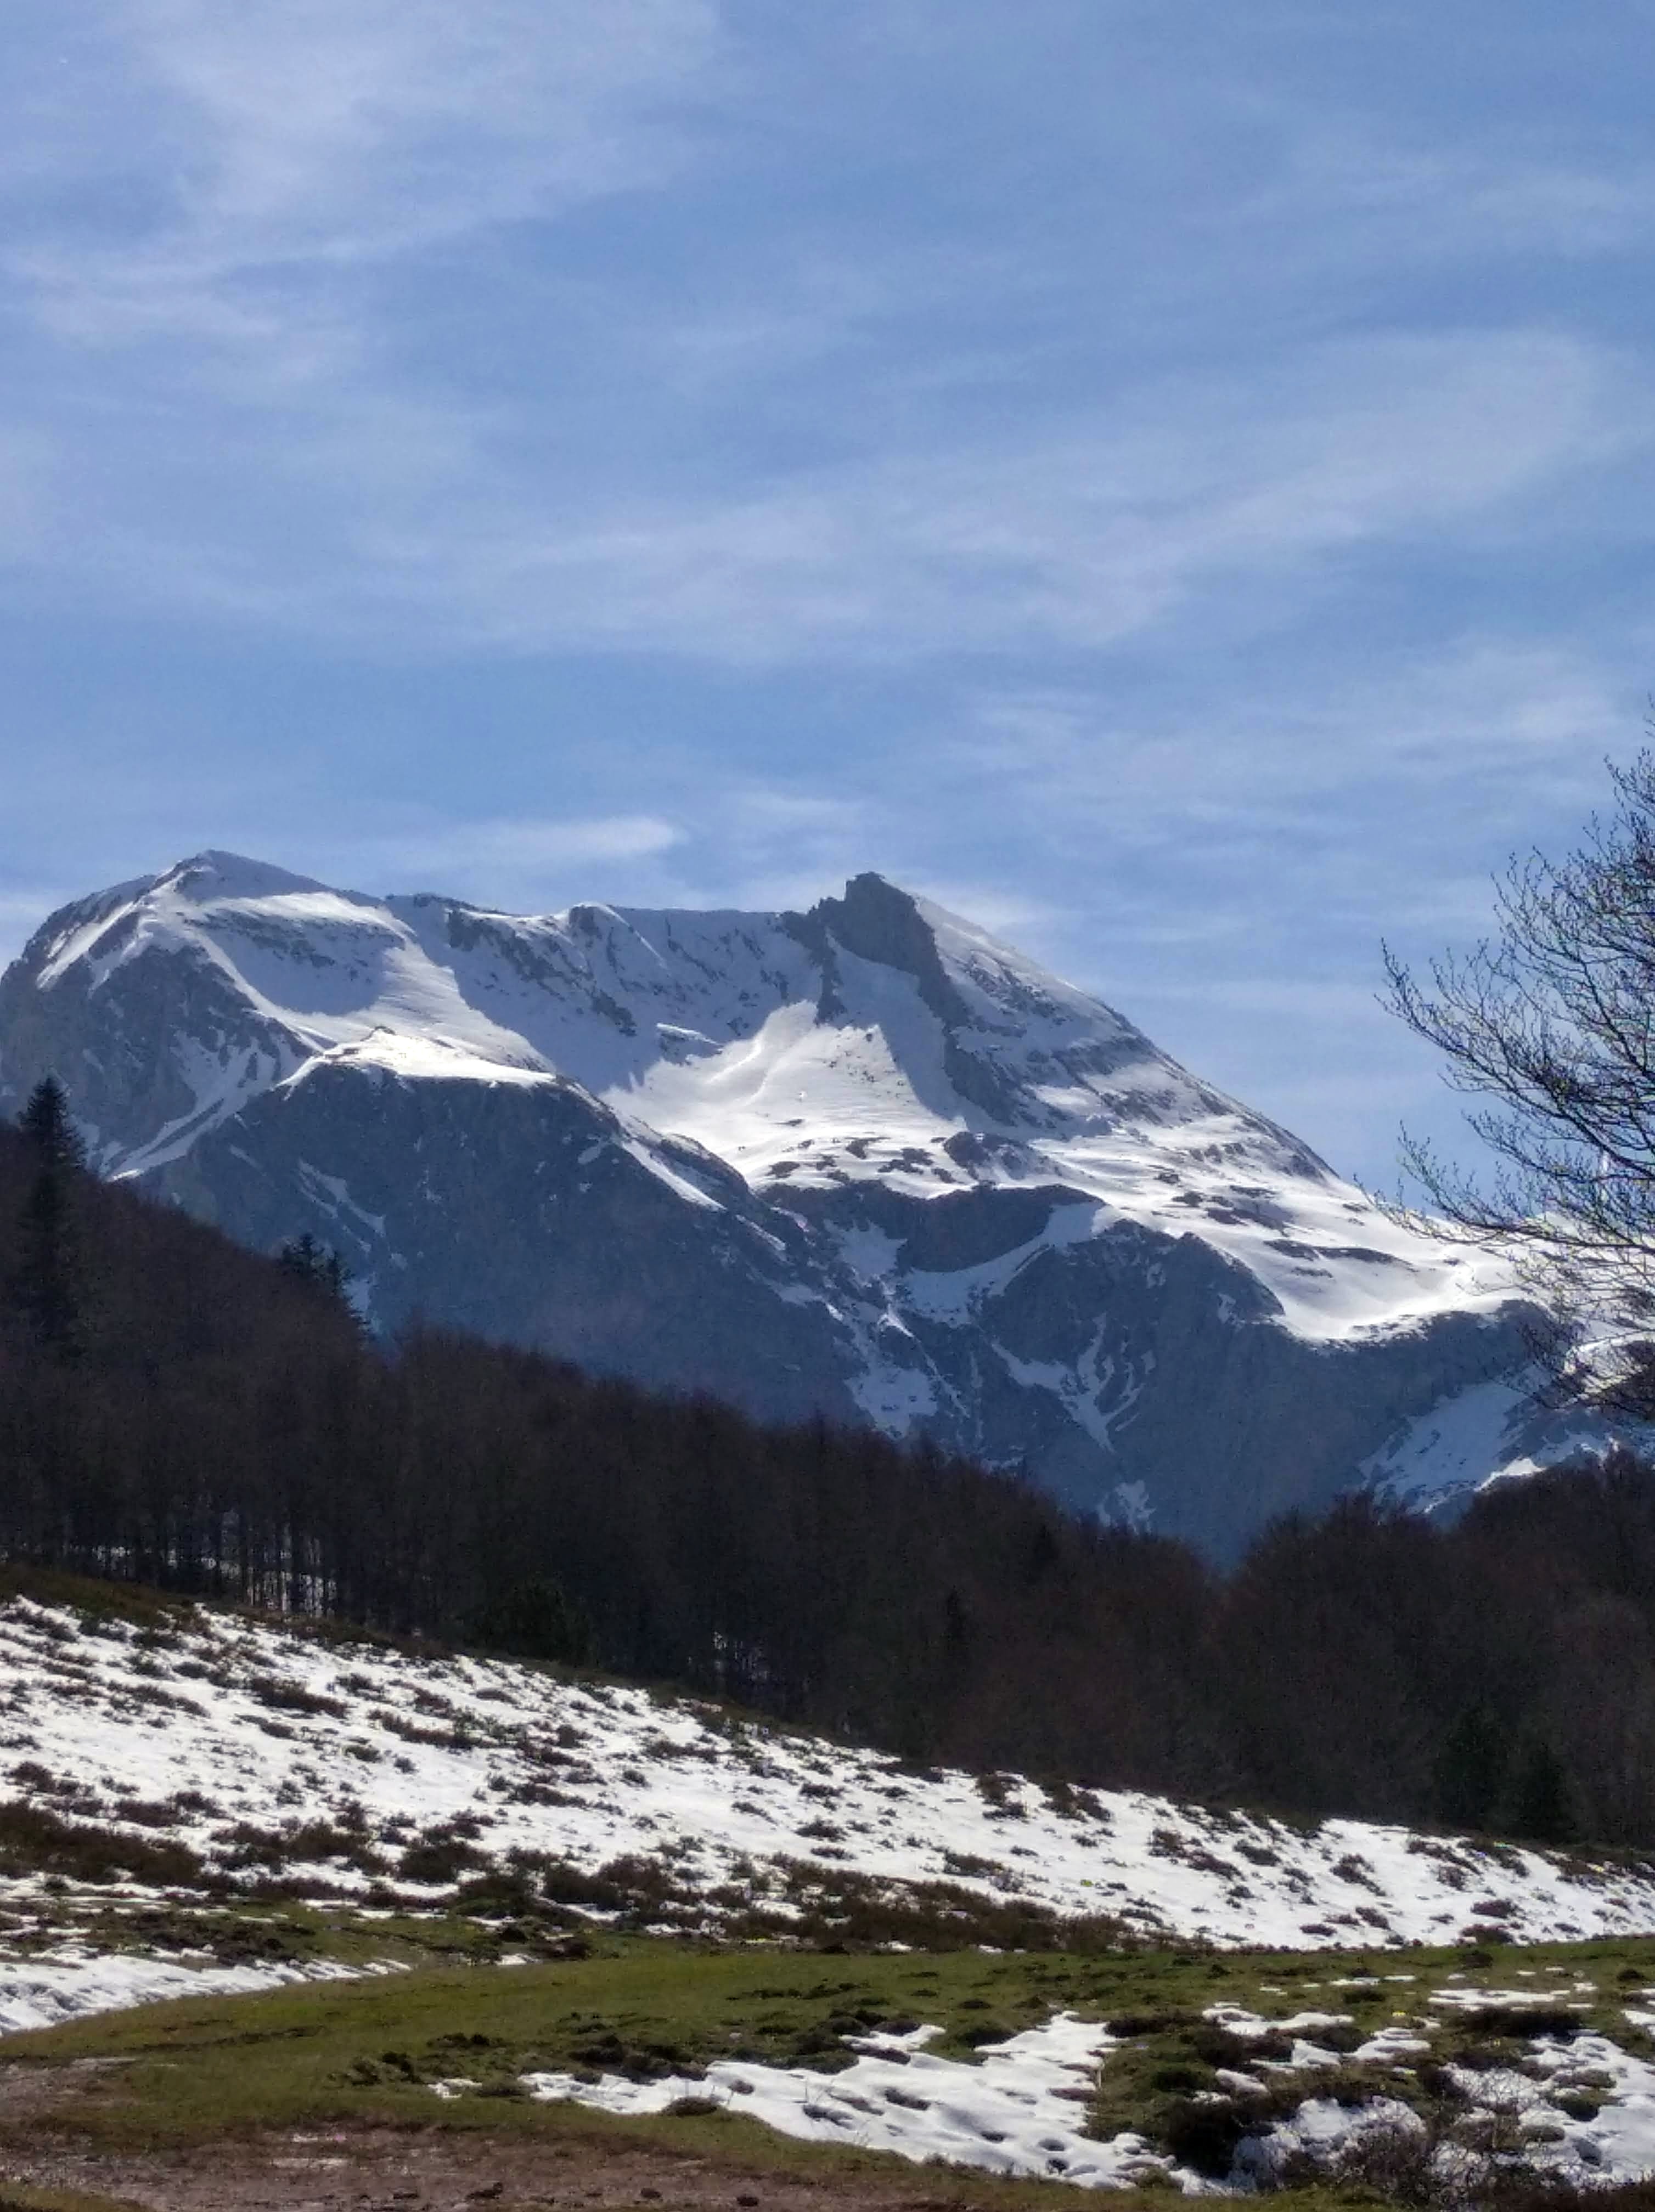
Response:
column 1018, row 2113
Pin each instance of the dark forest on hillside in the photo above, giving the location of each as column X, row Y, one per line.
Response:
column 178, row 1411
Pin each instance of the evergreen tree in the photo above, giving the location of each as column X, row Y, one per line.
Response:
column 47, row 1289
column 46, row 1123
column 1542, row 1804
column 536, row 1621
column 1470, row 1771
column 318, row 1266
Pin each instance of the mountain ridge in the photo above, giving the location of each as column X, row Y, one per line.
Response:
column 863, row 1161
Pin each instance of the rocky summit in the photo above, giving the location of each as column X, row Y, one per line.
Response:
column 863, row 1161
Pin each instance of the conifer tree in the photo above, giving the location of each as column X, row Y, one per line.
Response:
column 46, row 1123
column 318, row 1266
column 1543, row 1805
column 1471, row 1771
column 48, row 1286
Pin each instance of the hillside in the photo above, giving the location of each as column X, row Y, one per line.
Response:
column 458, row 1881
column 184, row 1412
column 863, row 1161
column 200, row 1750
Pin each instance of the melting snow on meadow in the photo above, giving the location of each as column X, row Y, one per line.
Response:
column 1018, row 2110
column 1580, row 2110
column 263, row 1751
column 71, row 1980
column 1577, row 2108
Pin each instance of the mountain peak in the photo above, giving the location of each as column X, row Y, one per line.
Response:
column 878, row 922
column 877, row 1042
column 213, row 874
column 895, row 1167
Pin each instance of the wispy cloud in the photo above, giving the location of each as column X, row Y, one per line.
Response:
column 1412, row 199
column 511, row 862
column 1171, row 482
column 1478, row 710
column 291, row 134
column 397, row 521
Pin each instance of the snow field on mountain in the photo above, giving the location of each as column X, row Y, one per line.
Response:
column 939, row 1155
column 261, row 1750
column 710, row 1027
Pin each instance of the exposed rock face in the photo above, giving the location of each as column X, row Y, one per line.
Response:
column 862, row 1161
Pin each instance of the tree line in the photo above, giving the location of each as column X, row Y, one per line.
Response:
column 178, row 1411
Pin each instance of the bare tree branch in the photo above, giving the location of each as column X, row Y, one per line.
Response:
column 1551, row 1023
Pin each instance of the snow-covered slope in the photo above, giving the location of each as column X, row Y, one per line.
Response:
column 199, row 1757
column 864, row 1159
column 264, row 1752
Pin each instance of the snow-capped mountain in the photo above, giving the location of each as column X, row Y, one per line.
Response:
column 863, row 1160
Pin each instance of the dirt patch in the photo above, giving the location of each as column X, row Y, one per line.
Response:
column 432, row 2170
column 26, row 2090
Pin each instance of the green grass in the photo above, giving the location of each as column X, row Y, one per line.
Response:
column 635, row 2006
column 195, row 2074
column 203, row 2070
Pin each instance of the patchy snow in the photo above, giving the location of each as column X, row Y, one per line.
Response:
column 1489, row 1433
column 1127, row 1506
column 1578, row 2108
column 226, row 1725
column 1321, row 2133
column 1249, row 2026
column 1581, row 2109
column 1460, row 1995
column 1452, row 1448
column 72, row 1979
column 956, row 1295
column 1017, row 2112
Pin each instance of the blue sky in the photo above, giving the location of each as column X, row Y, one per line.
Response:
column 1174, row 480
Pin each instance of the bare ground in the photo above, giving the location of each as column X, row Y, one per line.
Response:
column 425, row 2169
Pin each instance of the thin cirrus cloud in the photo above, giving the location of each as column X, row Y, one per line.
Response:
column 501, row 862
column 391, row 522
column 293, row 133
column 1238, row 930
column 1173, row 482
column 1487, row 202
column 1438, row 770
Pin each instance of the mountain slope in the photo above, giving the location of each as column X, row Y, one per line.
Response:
column 863, row 1161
